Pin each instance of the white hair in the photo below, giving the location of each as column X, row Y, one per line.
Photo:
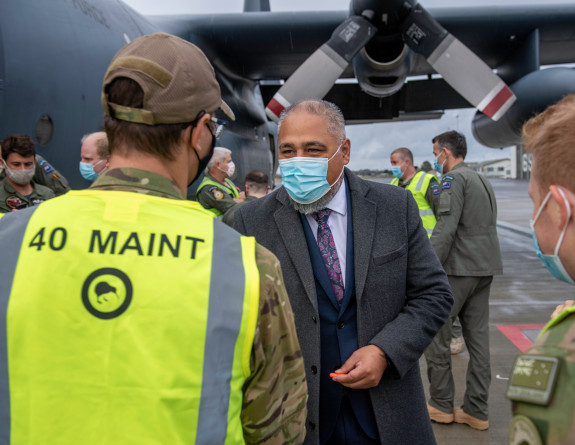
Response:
column 218, row 156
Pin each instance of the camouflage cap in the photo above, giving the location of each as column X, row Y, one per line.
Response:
column 177, row 79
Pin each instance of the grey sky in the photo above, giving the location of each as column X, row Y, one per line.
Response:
column 371, row 144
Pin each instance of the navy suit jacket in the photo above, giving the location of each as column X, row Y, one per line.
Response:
column 401, row 292
column 338, row 327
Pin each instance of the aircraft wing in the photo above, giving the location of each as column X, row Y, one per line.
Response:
column 270, row 46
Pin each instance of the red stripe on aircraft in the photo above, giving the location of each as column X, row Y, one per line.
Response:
column 275, row 107
column 498, row 101
column 514, row 332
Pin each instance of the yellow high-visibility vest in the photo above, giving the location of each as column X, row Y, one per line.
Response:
column 125, row 318
column 418, row 187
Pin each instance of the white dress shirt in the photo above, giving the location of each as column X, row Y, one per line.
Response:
column 337, row 222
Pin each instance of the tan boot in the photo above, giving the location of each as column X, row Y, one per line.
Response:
column 457, row 345
column 461, row 416
column 439, row 416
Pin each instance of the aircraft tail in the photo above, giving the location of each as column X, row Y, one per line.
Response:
column 257, row 6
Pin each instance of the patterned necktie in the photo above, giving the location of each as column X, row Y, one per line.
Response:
column 329, row 252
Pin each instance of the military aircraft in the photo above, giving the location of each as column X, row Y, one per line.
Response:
column 380, row 60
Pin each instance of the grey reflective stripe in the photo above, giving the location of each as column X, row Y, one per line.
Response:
column 224, row 321
column 419, row 185
column 423, row 213
column 429, row 231
column 12, row 229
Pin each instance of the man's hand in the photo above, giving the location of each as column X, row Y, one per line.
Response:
column 562, row 306
column 241, row 197
column 363, row 369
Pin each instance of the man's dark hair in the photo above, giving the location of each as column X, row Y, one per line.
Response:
column 19, row 144
column 453, row 141
column 258, row 181
column 156, row 140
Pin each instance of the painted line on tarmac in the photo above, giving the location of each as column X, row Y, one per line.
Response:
column 516, row 334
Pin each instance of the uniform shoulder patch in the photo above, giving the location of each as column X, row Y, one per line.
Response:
column 533, row 379
column 46, row 166
column 435, row 188
column 216, row 192
column 446, row 184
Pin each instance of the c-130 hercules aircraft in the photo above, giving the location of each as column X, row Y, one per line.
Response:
column 53, row 56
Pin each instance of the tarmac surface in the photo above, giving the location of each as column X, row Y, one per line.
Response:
column 521, row 302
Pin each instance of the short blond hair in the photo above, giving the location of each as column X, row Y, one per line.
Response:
column 550, row 138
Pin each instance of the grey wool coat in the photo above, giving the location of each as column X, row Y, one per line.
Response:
column 403, row 296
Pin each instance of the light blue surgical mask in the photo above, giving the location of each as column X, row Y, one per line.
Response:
column 396, row 171
column 87, row 171
column 305, row 179
column 553, row 262
column 437, row 166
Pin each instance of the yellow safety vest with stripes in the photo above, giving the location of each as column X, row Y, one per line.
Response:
column 230, row 187
column 418, row 187
column 122, row 322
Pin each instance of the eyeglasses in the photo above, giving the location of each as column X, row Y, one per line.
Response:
column 217, row 126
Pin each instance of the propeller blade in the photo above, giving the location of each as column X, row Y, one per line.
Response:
column 315, row 77
column 460, row 67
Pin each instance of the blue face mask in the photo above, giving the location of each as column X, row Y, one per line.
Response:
column 87, row 171
column 396, row 171
column 305, row 179
column 437, row 166
column 553, row 262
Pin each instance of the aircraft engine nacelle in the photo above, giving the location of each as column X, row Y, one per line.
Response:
column 381, row 73
column 535, row 92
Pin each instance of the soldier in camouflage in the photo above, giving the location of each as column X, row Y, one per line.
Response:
column 542, row 388
column 161, row 134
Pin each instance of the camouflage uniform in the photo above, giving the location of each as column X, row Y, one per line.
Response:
column 212, row 197
column 276, row 349
column 11, row 200
column 537, row 420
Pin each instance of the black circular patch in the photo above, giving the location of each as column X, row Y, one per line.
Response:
column 107, row 293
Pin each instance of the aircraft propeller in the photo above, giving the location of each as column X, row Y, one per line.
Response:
column 472, row 78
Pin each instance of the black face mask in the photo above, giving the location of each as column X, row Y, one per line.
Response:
column 203, row 163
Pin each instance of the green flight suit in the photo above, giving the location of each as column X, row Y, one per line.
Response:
column 47, row 175
column 228, row 217
column 466, row 243
column 11, row 200
column 215, row 196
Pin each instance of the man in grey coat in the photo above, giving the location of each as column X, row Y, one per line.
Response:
column 466, row 243
column 366, row 288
